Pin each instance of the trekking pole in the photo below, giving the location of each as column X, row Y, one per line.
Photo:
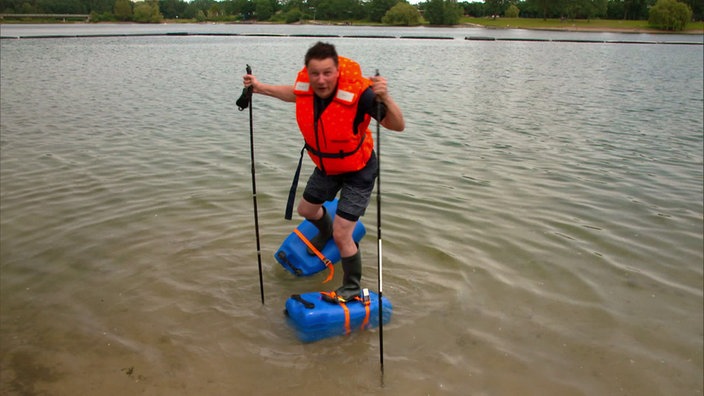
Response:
column 243, row 102
column 378, row 235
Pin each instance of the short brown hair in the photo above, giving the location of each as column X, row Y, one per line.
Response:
column 321, row 51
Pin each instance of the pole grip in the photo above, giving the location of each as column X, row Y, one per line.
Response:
column 246, row 97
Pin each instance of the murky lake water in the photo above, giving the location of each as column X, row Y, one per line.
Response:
column 542, row 213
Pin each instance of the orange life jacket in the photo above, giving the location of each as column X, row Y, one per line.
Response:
column 331, row 141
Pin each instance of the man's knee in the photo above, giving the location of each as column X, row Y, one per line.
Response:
column 342, row 230
column 308, row 210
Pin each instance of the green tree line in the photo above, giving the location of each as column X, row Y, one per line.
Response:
column 575, row 9
column 393, row 12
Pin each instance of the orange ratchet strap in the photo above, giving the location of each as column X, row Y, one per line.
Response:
column 364, row 300
column 317, row 252
column 334, row 297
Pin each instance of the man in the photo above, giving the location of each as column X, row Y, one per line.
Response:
column 334, row 107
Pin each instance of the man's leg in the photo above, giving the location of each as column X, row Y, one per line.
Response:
column 351, row 259
column 321, row 219
column 342, row 233
column 309, row 210
column 354, row 199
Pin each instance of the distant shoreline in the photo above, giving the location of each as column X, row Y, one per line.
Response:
column 571, row 28
column 566, row 28
column 599, row 30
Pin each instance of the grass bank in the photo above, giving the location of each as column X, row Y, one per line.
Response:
column 577, row 24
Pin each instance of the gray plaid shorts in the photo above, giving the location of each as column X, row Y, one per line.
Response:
column 355, row 189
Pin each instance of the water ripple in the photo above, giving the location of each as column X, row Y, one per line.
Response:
column 542, row 220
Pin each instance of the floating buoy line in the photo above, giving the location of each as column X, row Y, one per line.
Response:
column 413, row 37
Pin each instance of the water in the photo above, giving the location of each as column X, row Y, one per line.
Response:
column 542, row 218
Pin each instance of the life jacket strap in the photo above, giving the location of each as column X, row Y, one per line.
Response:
column 318, row 253
column 338, row 155
column 292, row 192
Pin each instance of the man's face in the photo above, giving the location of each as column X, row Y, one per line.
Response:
column 323, row 74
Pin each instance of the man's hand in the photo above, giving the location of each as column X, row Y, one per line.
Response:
column 380, row 88
column 248, row 80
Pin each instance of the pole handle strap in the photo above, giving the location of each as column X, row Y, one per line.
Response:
column 246, row 97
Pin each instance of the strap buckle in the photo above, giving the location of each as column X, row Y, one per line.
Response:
column 365, row 296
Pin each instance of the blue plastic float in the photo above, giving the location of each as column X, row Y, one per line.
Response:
column 293, row 255
column 313, row 318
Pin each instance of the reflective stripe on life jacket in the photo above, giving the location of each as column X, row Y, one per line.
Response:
column 332, row 142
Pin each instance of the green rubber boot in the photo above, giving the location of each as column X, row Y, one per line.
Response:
column 351, row 280
column 324, row 226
